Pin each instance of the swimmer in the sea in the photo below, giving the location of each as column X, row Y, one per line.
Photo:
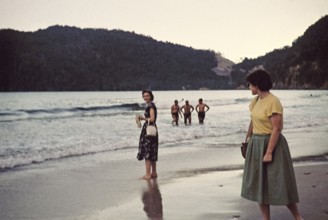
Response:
column 187, row 110
column 175, row 111
column 200, row 108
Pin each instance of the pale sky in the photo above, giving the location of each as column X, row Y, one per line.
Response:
column 235, row 28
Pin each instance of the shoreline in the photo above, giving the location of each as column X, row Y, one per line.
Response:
column 296, row 139
column 322, row 157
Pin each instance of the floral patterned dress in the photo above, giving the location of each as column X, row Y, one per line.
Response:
column 148, row 146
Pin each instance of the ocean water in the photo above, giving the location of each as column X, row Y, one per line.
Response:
column 37, row 127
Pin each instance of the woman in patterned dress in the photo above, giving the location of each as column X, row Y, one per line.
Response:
column 268, row 177
column 148, row 145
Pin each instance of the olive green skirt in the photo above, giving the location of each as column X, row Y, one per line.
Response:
column 269, row 183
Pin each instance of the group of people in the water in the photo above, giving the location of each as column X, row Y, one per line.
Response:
column 186, row 111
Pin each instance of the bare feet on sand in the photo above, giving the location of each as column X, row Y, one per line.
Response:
column 146, row 177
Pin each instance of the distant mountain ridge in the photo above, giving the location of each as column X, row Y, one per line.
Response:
column 62, row 58
column 304, row 65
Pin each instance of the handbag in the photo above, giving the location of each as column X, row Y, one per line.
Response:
column 151, row 130
column 243, row 149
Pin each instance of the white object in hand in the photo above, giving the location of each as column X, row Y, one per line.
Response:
column 138, row 121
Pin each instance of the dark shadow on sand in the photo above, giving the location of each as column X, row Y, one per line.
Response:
column 152, row 200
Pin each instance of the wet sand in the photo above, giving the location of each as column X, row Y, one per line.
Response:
column 216, row 195
column 189, row 187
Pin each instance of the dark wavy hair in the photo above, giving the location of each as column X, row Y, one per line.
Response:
column 261, row 79
column 150, row 93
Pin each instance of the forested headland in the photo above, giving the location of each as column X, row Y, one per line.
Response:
column 304, row 65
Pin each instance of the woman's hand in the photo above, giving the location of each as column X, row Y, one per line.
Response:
column 141, row 118
column 267, row 158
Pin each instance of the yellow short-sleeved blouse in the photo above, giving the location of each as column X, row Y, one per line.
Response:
column 262, row 110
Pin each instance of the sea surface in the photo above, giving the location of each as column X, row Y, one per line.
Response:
column 39, row 127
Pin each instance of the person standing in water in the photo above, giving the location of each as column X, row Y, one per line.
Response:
column 148, row 145
column 187, row 110
column 175, row 111
column 200, row 108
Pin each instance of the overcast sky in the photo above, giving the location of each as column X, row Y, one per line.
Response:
column 235, row 28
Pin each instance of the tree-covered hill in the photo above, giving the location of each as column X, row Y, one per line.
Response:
column 62, row 58
column 304, row 65
column 73, row 59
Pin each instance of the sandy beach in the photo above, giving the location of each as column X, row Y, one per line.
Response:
column 216, row 195
column 192, row 188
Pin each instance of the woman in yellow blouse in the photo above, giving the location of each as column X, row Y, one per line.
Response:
column 268, row 177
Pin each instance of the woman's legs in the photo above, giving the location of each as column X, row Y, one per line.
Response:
column 153, row 169
column 294, row 210
column 265, row 210
column 148, row 168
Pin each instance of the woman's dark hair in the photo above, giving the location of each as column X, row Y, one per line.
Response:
column 261, row 79
column 150, row 93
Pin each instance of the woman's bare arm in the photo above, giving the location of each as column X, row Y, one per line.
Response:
column 152, row 115
column 276, row 121
column 250, row 131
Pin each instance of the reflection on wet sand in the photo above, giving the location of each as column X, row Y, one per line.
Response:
column 152, row 200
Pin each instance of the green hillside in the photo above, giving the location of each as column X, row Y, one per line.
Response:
column 72, row 59
column 304, row 65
